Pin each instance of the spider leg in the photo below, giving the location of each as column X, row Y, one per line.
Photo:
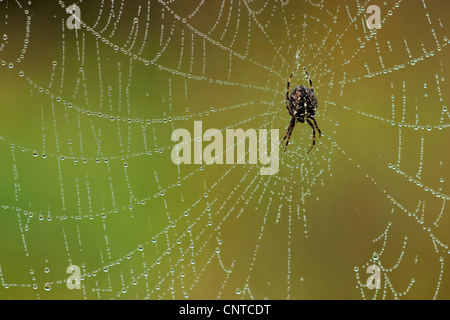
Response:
column 289, row 130
column 320, row 132
column 310, row 81
column 314, row 134
column 289, row 137
column 288, row 133
column 287, row 92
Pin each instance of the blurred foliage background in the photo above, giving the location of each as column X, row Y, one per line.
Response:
column 86, row 178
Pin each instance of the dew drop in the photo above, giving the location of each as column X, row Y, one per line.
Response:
column 375, row 256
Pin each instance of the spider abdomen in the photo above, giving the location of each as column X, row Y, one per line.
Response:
column 302, row 103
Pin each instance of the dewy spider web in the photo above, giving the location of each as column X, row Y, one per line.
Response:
column 87, row 179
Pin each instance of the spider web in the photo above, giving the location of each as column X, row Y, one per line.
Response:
column 87, row 179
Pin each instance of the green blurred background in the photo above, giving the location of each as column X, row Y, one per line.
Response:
column 87, row 179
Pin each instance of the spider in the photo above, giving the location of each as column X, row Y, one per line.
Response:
column 301, row 105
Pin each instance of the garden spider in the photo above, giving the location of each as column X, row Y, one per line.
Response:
column 301, row 105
